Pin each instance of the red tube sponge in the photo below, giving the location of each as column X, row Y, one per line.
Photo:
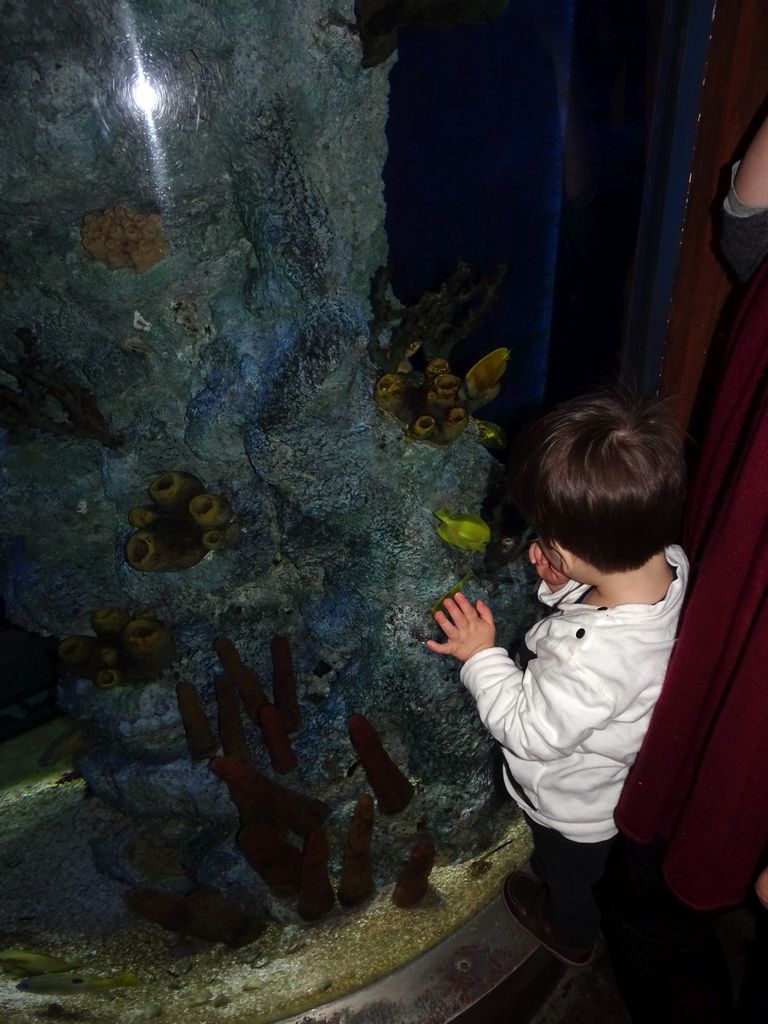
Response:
column 393, row 790
column 200, row 738
column 284, row 685
column 246, row 682
column 271, row 856
column 412, row 882
column 316, row 893
column 276, row 740
column 299, row 813
column 202, row 913
column 231, row 730
column 356, row 880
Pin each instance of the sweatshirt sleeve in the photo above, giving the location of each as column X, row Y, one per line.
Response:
column 544, row 712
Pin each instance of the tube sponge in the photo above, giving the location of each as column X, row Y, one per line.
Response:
column 437, row 410
column 209, row 510
column 181, row 525
column 126, row 647
column 173, row 491
column 148, row 647
column 156, row 551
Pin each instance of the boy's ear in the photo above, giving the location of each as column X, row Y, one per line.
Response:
column 563, row 554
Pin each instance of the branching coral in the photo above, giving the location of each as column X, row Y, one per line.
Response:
column 437, row 322
column 379, row 21
column 180, row 526
column 49, row 400
column 121, row 237
column 125, row 648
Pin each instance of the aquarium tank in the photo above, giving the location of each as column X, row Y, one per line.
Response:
column 277, row 283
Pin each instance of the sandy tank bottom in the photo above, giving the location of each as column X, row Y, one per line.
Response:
column 53, row 900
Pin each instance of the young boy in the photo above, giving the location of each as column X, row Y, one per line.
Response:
column 601, row 479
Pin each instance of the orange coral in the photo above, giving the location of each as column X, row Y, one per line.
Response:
column 121, row 237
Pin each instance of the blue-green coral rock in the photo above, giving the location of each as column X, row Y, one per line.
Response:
column 241, row 356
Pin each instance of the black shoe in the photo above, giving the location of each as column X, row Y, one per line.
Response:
column 524, row 898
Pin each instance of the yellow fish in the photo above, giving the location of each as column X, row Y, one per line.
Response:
column 73, row 982
column 438, row 605
column 24, row 962
column 481, row 383
column 491, row 435
column 468, row 532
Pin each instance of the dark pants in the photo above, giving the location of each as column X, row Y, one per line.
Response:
column 752, row 1007
column 667, row 959
column 569, row 870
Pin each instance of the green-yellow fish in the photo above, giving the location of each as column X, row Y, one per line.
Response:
column 438, row 605
column 481, row 383
column 491, row 435
column 25, row 962
column 74, row 982
column 468, row 532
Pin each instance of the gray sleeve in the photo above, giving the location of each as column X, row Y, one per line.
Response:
column 744, row 235
column 744, row 242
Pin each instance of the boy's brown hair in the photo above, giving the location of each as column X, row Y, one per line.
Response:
column 604, row 476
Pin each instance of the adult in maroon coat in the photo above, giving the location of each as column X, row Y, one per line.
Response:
column 695, row 806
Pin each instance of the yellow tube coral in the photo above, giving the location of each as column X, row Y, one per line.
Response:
column 143, row 516
column 109, row 621
column 442, row 395
column 78, row 655
column 423, row 428
column 210, row 510
column 212, row 540
column 108, row 678
column 453, row 424
column 173, row 491
column 148, row 646
column 436, row 367
column 108, row 656
column 395, row 393
column 182, row 524
column 150, row 551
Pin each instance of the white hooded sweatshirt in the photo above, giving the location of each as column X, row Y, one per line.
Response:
column 572, row 722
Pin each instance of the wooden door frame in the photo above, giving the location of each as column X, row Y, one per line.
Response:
column 732, row 104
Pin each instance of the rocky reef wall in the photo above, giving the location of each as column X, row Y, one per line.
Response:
column 235, row 349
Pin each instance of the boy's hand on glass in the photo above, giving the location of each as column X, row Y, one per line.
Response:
column 469, row 628
column 544, row 567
